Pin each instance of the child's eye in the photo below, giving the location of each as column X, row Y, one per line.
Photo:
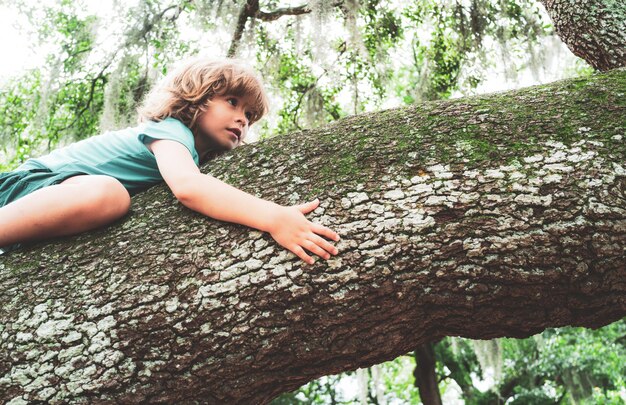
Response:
column 232, row 101
column 249, row 115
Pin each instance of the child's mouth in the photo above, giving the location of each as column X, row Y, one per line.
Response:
column 235, row 132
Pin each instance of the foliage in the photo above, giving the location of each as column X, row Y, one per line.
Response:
column 60, row 102
column 18, row 102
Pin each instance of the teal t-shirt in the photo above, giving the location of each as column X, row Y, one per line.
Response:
column 120, row 154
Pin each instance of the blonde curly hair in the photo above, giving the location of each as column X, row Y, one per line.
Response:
column 186, row 92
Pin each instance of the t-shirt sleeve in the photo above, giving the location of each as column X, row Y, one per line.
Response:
column 172, row 129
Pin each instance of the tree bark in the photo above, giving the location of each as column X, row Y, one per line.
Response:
column 594, row 30
column 497, row 215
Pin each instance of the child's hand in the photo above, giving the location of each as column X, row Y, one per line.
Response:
column 293, row 231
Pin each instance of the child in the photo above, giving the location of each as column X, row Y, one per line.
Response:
column 200, row 110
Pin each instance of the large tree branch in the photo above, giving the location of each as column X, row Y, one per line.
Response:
column 489, row 216
column 594, row 30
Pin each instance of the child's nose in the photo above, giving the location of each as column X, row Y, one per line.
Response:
column 241, row 117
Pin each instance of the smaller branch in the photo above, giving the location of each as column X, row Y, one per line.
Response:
column 165, row 10
column 248, row 10
column 276, row 14
column 252, row 10
column 444, row 377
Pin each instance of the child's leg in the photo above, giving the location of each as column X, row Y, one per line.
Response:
column 78, row 204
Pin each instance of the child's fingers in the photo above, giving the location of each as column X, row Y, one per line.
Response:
column 298, row 251
column 312, row 247
column 324, row 231
column 308, row 207
column 324, row 244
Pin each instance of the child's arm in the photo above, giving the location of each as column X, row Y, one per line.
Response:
column 216, row 199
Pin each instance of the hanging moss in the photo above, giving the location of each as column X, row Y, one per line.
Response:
column 489, row 355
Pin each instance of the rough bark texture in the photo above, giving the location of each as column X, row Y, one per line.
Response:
column 594, row 30
column 482, row 217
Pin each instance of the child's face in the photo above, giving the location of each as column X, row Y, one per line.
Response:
column 225, row 122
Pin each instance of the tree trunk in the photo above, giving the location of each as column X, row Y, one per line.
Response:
column 481, row 217
column 426, row 374
column 594, row 30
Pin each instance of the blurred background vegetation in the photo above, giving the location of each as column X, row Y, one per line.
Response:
column 92, row 62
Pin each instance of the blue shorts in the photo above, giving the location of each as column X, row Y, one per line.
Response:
column 19, row 183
